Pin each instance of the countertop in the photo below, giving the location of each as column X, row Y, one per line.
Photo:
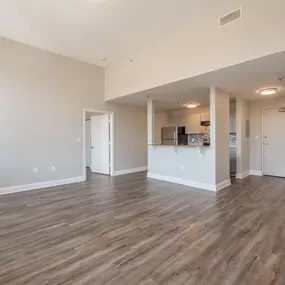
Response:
column 190, row 145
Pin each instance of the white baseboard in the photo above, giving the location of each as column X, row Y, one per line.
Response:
column 256, row 172
column 223, row 184
column 40, row 185
column 128, row 171
column 243, row 175
column 195, row 184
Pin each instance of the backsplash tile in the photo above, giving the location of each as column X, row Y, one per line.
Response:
column 233, row 139
column 199, row 138
column 195, row 138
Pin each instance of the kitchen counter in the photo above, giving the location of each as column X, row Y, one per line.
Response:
column 184, row 146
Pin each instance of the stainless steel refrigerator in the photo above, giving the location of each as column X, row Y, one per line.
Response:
column 172, row 135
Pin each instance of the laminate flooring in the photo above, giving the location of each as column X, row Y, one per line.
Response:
column 132, row 230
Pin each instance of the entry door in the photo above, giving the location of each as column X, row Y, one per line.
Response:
column 100, row 147
column 273, row 143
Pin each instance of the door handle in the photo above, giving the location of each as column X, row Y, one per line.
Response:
column 92, row 147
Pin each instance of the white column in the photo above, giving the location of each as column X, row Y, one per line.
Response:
column 150, row 122
column 220, row 132
column 242, row 133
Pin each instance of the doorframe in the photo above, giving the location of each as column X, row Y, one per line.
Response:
column 111, row 145
column 262, row 135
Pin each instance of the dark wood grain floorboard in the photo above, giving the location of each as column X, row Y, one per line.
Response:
column 130, row 230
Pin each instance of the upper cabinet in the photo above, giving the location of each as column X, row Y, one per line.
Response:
column 191, row 119
column 193, row 124
column 205, row 117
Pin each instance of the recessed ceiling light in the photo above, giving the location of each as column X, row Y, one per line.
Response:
column 191, row 105
column 103, row 58
column 268, row 91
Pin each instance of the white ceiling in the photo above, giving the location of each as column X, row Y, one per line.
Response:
column 90, row 29
column 242, row 80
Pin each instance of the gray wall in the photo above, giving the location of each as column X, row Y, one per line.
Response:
column 42, row 96
column 255, row 108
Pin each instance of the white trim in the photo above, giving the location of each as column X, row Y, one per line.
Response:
column 195, row 184
column 112, row 148
column 243, row 175
column 223, row 184
column 256, row 172
column 127, row 171
column 40, row 185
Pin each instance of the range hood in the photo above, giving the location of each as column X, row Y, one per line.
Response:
column 205, row 123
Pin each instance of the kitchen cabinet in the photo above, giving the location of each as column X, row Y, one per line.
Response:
column 193, row 124
column 205, row 117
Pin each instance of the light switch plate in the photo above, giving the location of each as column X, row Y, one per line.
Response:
column 36, row 170
column 78, row 139
column 53, row 168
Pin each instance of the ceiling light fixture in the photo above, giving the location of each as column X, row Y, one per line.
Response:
column 268, row 91
column 191, row 105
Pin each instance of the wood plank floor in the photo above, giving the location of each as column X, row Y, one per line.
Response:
column 130, row 230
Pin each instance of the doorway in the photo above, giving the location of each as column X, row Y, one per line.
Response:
column 98, row 133
column 273, row 155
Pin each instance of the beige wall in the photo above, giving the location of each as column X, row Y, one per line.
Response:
column 256, row 108
column 201, row 47
column 42, row 97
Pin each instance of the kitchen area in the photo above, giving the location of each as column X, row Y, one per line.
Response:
column 188, row 125
column 188, row 144
column 184, row 127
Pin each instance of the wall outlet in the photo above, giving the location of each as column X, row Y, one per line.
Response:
column 53, row 168
column 36, row 170
column 78, row 139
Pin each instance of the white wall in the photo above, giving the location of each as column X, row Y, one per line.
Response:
column 42, row 97
column 161, row 120
column 255, row 108
column 202, row 47
column 88, row 142
column 242, row 144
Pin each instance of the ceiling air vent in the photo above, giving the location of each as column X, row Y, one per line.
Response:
column 230, row 18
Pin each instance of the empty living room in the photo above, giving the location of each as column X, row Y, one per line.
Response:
column 142, row 142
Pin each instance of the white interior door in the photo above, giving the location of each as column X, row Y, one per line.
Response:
column 100, row 147
column 273, row 143
column 88, row 143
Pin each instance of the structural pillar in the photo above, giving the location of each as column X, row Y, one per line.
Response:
column 150, row 121
column 220, row 136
